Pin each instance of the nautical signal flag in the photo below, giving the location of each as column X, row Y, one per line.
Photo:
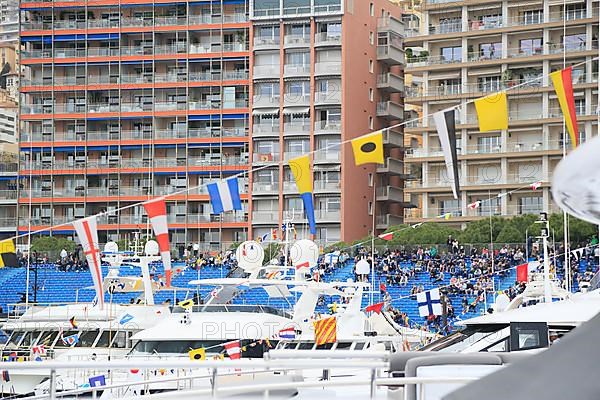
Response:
column 304, row 181
column 563, row 85
column 475, row 205
column 368, row 149
column 233, row 349
column 73, row 323
column 197, row 354
column 429, row 303
column 186, row 304
column 492, row 112
column 376, row 308
column 386, row 236
column 536, row 185
column 71, row 340
column 225, row 195
column 157, row 212
column 325, row 331
column 8, row 254
column 87, row 232
column 445, row 123
column 287, row 333
column 523, row 270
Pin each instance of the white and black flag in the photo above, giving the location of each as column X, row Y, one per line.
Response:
column 445, row 123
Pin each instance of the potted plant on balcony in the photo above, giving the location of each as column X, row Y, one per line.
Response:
column 507, row 76
column 423, row 55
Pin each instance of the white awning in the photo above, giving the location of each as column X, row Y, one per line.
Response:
column 265, row 111
column 296, row 110
column 444, row 75
column 484, row 71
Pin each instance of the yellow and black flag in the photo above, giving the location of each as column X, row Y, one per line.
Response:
column 186, row 304
column 197, row 354
column 8, row 254
column 368, row 149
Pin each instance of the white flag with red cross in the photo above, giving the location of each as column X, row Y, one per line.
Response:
column 87, row 232
column 157, row 212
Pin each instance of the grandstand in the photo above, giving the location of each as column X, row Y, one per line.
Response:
column 55, row 286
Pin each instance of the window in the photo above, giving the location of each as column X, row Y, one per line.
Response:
column 370, row 208
column 489, row 83
column 451, row 54
column 297, row 58
column 370, row 122
column 371, row 9
column 371, row 66
column 490, row 50
column 575, row 11
column 490, row 21
column 575, row 42
column 530, row 205
column 530, row 46
column 370, row 94
column 371, row 38
column 489, row 144
column 448, row 25
column 532, row 17
column 490, row 207
column 450, row 207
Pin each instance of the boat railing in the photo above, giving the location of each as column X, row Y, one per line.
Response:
column 372, row 372
column 232, row 308
column 595, row 281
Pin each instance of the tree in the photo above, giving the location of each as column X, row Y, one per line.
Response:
column 47, row 244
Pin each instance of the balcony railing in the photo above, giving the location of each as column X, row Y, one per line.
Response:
column 324, row 38
column 328, row 126
column 328, row 67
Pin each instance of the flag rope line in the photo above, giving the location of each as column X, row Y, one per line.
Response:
column 281, row 162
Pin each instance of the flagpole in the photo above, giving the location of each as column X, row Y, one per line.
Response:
column 491, row 245
column 373, row 240
column 29, row 235
column 564, row 149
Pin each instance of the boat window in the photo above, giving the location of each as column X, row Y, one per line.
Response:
column 120, row 340
column 175, row 346
column 47, row 338
column 326, row 346
column 87, row 338
column 501, row 346
column 105, row 338
column 290, row 346
column 16, row 337
column 459, row 341
column 306, row 346
column 60, row 342
column 344, row 346
column 359, row 346
column 30, row 338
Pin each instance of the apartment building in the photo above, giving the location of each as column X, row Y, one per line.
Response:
column 467, row 49
column 324, row 72
column 9, row 22
column 123, row 101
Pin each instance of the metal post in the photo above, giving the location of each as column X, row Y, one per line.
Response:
column 213, row 383
column 373, row 208
column 373, row 385
column 52, row 384
column 547, row 288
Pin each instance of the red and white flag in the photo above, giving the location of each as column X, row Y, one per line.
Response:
column 157, row 212
column 305, row 264
column 386, row 236
column 87, row 232
column 536, row 185
column 475, row 205
column 233, row 349
column 524, row 270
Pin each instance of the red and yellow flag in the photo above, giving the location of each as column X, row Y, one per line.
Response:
column 563, row 85
column 325, row 331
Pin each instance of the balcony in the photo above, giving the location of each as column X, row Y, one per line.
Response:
column 265, row 217
column 291, row 41
column 266, row 43
column 325, row 39
column 8, row 195
column 327, row 156
column 8, row 223
column 324, row 216
column 271, row 101
column 383, row 222
column 321, row 186
column 391, row 166
column 329, row 97
column 390, row 54
column 265, row 158
column 390, row 110
column 390, row 193
column 393, row 138
column 296, row 128
column 296, row 99
column 265, row 130
column 270, row 71
column 328, row 127
column 390, row 83
column 296, row 70
column 328, row 68
column 259, row 188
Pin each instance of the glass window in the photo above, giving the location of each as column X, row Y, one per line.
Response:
column 575, row 11
column 488, row 144
column 448, row 25
column 530, row 205
column 575, row 42
column 531, row 17
column 490, row 50
column 489, row 83
column 450, row 207
column 451, row 54
column 530, row 46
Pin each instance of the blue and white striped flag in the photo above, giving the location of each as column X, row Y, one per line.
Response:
column 225, row 196
column 429, row 303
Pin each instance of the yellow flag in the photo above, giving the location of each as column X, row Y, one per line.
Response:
column 197, row 354
column 186, row 304
column 300, row 168
column 8, row 254
column 492, row 112
column 447, row 216
column 368, row 149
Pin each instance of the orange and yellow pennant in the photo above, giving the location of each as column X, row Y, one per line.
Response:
column 325, row 331
column 563, row 85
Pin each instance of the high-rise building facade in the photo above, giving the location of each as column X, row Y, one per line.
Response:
column 324, row 72
column 9, row 22
column 467, row 49
column 124, row 101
